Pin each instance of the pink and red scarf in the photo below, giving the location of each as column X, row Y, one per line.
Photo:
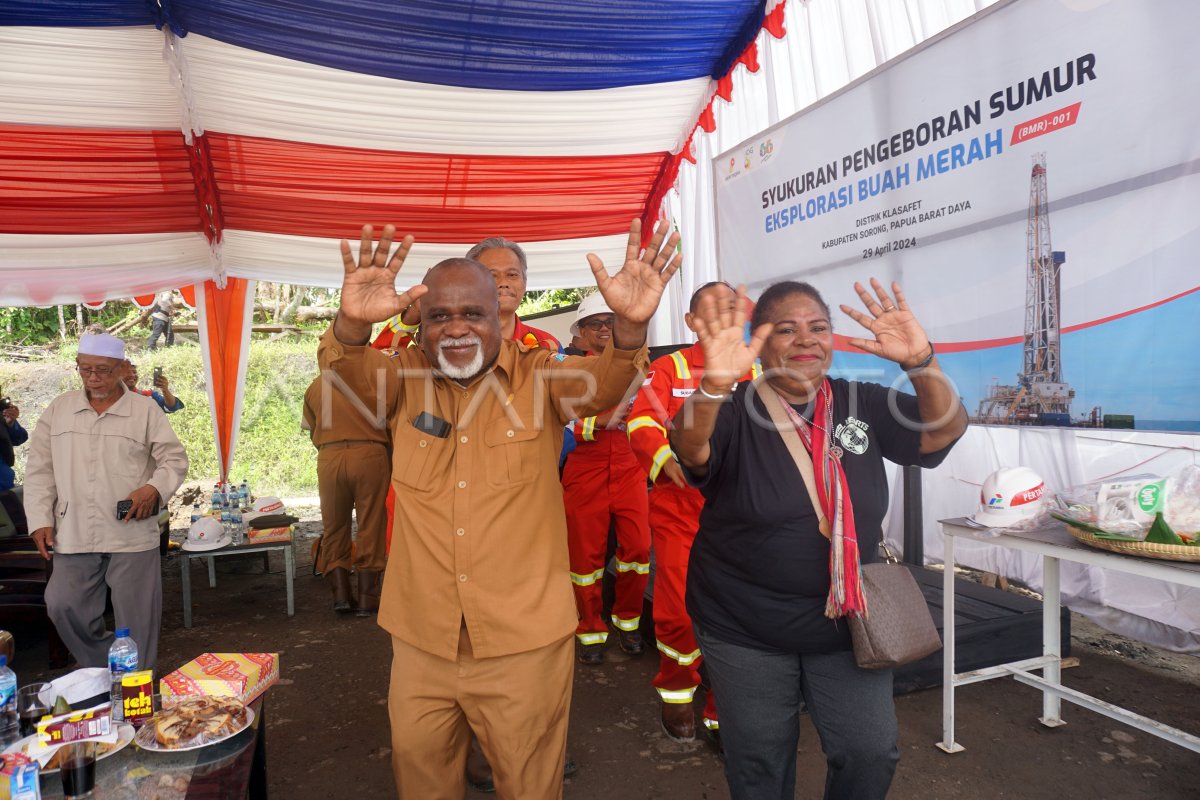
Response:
column 845, row 570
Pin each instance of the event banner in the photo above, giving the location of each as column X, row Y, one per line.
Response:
column 1029, row 177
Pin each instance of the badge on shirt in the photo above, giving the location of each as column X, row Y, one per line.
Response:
column 682, row 392
column 853, row 435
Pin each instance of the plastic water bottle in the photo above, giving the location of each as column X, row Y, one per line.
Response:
column 122, row 658
column 235, row 521
column 10, row 723
column 227, row 514
column 196, row 512
column 218, row 499
column 244, row 495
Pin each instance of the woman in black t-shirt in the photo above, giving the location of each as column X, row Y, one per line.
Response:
column 769, row 582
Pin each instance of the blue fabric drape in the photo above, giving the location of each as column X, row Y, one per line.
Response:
column 77, row 13
column 545, row 45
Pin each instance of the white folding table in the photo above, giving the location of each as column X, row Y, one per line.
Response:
column 186, row 556
column 1053, row 544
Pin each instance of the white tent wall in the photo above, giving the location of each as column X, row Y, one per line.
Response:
column 830, row 43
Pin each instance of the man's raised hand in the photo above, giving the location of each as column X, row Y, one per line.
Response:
column 634, row 292
column 369, row 283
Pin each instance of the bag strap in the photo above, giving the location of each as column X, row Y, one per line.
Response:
column 791, row 439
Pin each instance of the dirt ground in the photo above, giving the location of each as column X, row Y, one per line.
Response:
column 328, row 730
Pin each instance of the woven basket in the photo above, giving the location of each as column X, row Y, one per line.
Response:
column 1166, row 552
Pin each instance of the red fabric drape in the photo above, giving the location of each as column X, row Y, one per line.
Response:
column 318, row 190
column 91, row 180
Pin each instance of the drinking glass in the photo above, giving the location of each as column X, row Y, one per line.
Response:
column 30, row 707
column 77, row 766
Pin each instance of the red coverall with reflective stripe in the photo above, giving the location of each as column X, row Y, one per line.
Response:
column 674, row 521
column 393, row 337
column 603, row 483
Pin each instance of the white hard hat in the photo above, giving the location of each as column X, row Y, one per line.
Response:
column 206, row 533
column 1009, row 495
column 268, row 505
column 591, row 305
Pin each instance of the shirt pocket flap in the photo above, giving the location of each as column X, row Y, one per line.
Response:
column 512, row 456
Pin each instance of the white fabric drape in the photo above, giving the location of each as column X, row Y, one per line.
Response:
column 53, row 269
column 314, row 261
column 86, row 77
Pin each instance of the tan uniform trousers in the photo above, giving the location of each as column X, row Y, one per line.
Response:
column 517, row 705
column 353, row 477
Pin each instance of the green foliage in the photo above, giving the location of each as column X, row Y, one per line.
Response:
column 535, row 302
column 28, row 325
column 272, row 452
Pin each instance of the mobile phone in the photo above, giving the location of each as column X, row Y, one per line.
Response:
column 123, row 508
column 434, row 426
column 157, row 373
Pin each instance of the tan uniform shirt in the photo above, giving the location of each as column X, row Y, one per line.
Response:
column 480, row 534
column 81, row 463
column 333, row 412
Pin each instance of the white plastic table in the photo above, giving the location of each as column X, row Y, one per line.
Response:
column 1054, row 544
column 289, row 561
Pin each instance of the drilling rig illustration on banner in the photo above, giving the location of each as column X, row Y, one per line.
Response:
column 1041, row 396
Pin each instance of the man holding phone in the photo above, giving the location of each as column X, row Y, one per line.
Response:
column 161, row 393
column 101, row 462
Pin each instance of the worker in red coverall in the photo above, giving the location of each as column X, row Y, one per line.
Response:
column 674, row 519
column 603, row 485
column 508, row 265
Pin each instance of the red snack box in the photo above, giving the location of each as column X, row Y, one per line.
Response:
column 76, row 725
column 241, row 675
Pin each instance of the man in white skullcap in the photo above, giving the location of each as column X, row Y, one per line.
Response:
column 94, row 454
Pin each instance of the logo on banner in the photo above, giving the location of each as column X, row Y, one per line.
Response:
column 853, row 435
column 765, row 149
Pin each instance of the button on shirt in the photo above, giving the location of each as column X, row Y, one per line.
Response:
column 480, row 532
column 82, row 463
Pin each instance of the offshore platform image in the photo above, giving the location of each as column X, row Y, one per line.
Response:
column 1040, row 396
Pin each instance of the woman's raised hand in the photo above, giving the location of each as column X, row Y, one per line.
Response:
column 898, row 335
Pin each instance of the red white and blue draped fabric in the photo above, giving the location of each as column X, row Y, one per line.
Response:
column 151, row 144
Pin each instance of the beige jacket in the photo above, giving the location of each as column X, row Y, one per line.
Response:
column 81, row 463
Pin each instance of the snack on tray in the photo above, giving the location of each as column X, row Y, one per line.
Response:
column 241, row 675
column 199, row 721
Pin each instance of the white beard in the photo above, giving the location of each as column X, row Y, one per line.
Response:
column 468, row 370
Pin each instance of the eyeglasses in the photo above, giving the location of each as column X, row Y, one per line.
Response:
column 103, row 372
column 597, row 324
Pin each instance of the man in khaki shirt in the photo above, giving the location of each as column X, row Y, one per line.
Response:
column 352, row 475
column 478, row 596
column 91, row 450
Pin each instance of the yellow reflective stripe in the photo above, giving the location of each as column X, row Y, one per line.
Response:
column 633, row 566
column 660, row 458
column 677, row 695
column 682, row 370
column 638, row 423
column 626, row 624
column 682, row 659
column 756, row 370
column 588, row 429
column 592, row 638
column 712, row 724
column 587, row 579
column 398, row 325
